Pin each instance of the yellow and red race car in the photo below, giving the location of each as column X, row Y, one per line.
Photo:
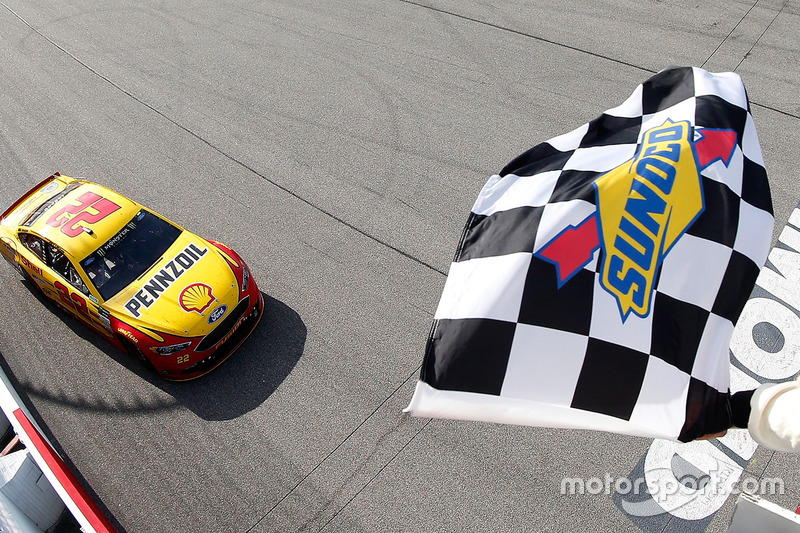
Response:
column 178, row 302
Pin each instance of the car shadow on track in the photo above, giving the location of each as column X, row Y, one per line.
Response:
column 238, row 385
column 252, row 373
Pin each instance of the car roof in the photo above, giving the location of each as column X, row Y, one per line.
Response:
column 84, row 243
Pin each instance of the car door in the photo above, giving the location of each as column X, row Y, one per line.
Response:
column 70, row 291
column 30, row 260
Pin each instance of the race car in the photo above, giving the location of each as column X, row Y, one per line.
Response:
column 179, row 303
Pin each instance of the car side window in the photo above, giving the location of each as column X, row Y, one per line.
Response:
column 58, row 261
column 33, row 243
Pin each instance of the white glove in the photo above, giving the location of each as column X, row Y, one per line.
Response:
column 775, row 416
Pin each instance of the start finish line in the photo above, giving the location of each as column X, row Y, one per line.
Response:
column 764, row 348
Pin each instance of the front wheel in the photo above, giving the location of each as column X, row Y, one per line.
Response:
column 135, row 352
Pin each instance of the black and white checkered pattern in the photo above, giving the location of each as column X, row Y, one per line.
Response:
column 509, row 345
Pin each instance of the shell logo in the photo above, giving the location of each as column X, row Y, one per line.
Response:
column 196, row 297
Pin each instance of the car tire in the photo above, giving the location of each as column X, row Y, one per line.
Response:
column 34, row 286
column 136, row 353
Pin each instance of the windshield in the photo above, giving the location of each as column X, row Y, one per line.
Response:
column 129, row 253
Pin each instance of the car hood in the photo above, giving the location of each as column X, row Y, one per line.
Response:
column 185, row 293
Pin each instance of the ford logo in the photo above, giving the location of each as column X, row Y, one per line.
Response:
column 217, row 313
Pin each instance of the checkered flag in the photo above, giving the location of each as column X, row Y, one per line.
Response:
column 601, row 273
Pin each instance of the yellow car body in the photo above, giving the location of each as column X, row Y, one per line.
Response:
column 180, row 303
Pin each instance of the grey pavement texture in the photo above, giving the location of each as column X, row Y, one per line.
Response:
column 338, row 146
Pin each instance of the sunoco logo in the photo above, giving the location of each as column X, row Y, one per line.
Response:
column 644, row 206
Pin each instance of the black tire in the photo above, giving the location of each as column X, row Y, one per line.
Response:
column 30, row 281
column 136, row 353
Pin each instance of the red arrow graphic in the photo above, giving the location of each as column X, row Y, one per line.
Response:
column 714, row 145
column 573, row 248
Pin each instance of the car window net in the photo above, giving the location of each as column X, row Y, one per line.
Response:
column 129, row 253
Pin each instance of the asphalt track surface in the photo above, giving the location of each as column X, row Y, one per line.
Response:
column 339, row 147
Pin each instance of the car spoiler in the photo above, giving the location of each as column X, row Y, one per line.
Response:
column 27, row 194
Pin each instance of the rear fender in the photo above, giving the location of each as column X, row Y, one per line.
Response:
column 8, row 250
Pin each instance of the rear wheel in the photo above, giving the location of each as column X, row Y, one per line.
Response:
column 30, row 281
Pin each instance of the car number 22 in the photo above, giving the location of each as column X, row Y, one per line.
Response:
column 102, row 206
